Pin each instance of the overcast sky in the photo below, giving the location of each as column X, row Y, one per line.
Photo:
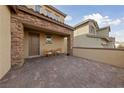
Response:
column 104, row 15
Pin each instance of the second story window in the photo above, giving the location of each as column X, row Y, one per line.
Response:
column 92, row 30
column 53, row 16
column 37, row 8
column 49, row 14
column 57, row 18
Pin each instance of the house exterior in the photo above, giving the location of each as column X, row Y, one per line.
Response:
column 88, row 34
column 26, row 31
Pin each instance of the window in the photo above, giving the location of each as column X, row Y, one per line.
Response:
column 57, row 18
column 37, row 8
column 104, row 44
column 49, row 14
column 92, row 30
column 48, row 39
column 53, row 16
column 45, row 12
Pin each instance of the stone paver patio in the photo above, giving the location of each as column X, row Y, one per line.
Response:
column 64, row 71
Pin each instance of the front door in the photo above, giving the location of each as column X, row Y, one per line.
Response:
column 34, row 44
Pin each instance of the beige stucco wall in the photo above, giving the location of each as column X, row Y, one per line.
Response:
column 5, row 41
column 113, row 57
column 82, row 40
column 81, row 30
column 103, row 32
column 57, row 42
column 85, row 41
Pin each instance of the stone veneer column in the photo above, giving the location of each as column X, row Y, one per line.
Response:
column 17, row 43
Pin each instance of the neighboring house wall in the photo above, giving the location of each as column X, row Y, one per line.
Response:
column 88, row 34
column 111, row 44
column 103, row 32
column 85, row 41
column 5, row 41
column 57, row 42
column 81, row 30
column 82, row 40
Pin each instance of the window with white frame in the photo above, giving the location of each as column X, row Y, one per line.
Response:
column 38, row 8
column 48, row 39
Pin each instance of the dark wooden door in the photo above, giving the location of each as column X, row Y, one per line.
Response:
column 34, row 44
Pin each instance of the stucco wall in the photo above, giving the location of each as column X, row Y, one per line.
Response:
column 82, row 40
column 103, row 32
column 85, row 41
column 81, row 30
column 5, row 40
column 109, row 56
column 57, row 42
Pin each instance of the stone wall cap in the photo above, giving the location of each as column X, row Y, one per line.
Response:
column 114, row 49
